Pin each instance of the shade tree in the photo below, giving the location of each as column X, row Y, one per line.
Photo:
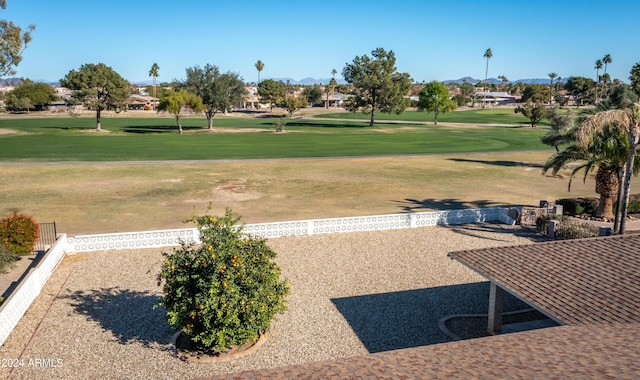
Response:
column 435, row 97
column 219, row 91
column 29, row 95
column 378, row 85
column 13, row 42
column 178, row 102
column 272, row 91
column 99, row 87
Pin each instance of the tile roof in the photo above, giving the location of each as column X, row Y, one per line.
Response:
column 574, row 352
column 574, row 282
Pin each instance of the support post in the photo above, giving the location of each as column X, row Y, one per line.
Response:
column 496, row 304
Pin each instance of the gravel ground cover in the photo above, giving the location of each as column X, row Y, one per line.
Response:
column 352, row 294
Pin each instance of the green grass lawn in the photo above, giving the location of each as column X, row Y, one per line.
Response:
column 476, row 116
column 73, row 139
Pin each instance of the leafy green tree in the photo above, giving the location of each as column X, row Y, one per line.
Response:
column 620, row 96
column 534, row 110
column 435, row 97
column 219, row 92
column 99, row 87
column 580, row 88
column 378, row 85
column 292, row 104
column 634, row 77
column 535, row 92
column 313, row 94
column 175, row 102
column 272, row 91
column 13, row 41
column 29, row 95
column 488, row 54
column 559, row 124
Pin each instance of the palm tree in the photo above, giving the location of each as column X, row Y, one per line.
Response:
column 259, row 67
column 487, row 54
column 504, row 82
column 598, row 67
column 332, row 82
column 552, row 76
column 605, row 77
column 627, row 121
column 154, row 73
column 606, row 152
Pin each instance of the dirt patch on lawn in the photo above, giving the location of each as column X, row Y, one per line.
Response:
column 234, row 191
column 6, row 131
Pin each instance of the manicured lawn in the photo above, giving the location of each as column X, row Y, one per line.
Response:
column 476, row 116
column 72, row 139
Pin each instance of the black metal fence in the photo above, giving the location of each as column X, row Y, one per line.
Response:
column 48, row 236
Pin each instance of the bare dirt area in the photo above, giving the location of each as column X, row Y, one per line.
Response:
column 89, row 198
column 6, row 131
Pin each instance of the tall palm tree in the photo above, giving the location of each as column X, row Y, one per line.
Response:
column 259, row 67
column 598, row 67
column 605, row 78
column 606, row 152
column 552, row 76
column 487, row 54
column 627, row 121
column 333, row 76
column 154, row 73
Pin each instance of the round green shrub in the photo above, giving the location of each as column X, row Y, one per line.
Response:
column 226, row 291
column 19, row 233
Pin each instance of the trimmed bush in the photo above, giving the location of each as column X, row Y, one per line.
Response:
column 567, row 229
column 226, row 291
column 19, row 233
column 577, row 206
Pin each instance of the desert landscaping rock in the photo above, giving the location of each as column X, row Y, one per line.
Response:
column 351, row 294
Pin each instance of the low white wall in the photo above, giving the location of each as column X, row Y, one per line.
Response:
column 157, row 239
column 19, row 301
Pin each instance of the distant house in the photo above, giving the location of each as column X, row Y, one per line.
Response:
column 496, row 98
column 141, row 102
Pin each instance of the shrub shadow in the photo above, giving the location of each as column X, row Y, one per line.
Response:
column 128, row 314
column 409, row 318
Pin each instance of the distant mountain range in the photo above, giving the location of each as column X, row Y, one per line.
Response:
column 311, row 81
column 498, row 81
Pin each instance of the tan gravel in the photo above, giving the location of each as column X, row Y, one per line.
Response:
column 352, row 294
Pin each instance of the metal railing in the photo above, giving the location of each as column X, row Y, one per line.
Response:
column 47, row 239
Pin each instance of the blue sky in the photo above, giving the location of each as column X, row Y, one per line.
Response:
column 432, row 40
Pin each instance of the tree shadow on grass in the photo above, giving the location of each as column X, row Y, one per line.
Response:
column 326, row 124
column 409, row 318
column 150, row 129
column 499, row 163
column 416, row 205
column 129, row 315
